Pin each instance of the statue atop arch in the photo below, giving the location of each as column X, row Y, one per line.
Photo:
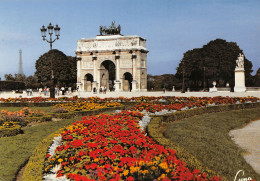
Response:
column 112, row 30
column 240, row 61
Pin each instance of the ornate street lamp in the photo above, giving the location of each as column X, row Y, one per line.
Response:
column 57, row 34
column 183, row 72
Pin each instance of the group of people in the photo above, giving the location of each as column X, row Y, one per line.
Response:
column 58, row 91
column 101, row 90
column 29, row 92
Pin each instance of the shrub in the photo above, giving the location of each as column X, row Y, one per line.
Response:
column 34, row 167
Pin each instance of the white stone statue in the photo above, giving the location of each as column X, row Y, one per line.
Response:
column 240, row 61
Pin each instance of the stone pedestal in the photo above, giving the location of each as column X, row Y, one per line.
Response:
column 117, row 86
column 134, row 86
column 240, row 80
column 214, row 89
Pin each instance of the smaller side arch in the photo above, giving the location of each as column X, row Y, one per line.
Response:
column 127, row 81
column 88, row 82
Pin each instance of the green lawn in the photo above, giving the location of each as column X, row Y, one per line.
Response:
column 16, row 150
column 206, row 137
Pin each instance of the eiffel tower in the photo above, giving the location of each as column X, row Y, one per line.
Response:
column 20, row 69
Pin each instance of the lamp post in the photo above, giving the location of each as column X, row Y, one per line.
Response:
column 57, row 34
column 183, row 72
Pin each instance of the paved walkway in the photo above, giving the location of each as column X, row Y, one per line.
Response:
column 248, row 138
column 137, row 94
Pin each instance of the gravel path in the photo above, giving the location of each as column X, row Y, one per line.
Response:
column 137, row 94
column 248, row 138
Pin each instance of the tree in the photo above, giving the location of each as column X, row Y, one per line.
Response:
column 64, row 68
column 32, row 82
column 215, row 61
column 257, row 78
column 9, row 77
column 73, row 69
column 19, row 77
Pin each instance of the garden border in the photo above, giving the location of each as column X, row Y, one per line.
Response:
column 192, row 162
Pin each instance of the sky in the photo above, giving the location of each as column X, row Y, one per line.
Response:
column 171, row 27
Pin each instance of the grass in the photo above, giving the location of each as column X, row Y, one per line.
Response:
column 206, row 137
column 16, row 150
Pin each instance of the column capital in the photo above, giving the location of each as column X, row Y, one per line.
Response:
column 94, row 57
column 133, row 55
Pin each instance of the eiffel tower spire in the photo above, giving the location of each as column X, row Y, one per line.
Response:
column 20, row 69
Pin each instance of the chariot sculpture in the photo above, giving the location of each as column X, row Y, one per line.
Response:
column 112, row 30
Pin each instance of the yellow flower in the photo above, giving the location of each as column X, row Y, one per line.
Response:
column 145, row 171
column 141, row 162
column 126, row 172
column 60, row 160
column 163, row 165
column 96, row 160
column 153, row 168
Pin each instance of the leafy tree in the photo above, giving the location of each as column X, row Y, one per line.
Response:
column 64, row 68
column 73, row 69
column 9, row 77
column 19, row 77
column 257, row 78
column 157, row 82
column 32, row 82
column 216, row 61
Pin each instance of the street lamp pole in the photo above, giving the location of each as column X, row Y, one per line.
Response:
column 57, row 34
column 183, row 72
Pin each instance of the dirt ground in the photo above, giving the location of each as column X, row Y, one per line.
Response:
column 248, row 138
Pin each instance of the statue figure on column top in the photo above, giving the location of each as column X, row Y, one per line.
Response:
column 240, row 61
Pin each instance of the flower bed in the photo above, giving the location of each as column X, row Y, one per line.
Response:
column 114, row 148
column 22, row 117
column 79, row 106
column 181, row 103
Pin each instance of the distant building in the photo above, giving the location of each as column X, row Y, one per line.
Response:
column 20, row 68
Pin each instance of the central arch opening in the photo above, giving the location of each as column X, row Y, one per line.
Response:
column 107, row 74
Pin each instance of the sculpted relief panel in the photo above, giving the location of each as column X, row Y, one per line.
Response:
column 120, row 43
column 126, row 63
column 87, row 64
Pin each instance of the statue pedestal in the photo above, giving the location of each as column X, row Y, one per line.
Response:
column 134, row 86
column 239, row 80
column 117, row 86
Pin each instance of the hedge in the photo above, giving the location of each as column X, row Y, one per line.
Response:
column 35, row 165
column 192, row 162
column 28, row 104
column 44, row 118
column 179, row 115
column 10, row 131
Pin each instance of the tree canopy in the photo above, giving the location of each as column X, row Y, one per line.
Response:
column 216, row 61
column 64, row 68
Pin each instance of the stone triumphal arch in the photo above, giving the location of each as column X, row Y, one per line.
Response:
column 112, row 61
